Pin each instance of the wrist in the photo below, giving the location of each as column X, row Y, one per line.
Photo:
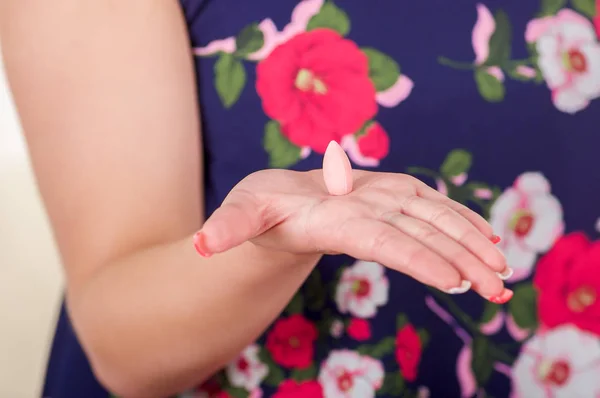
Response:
column 272, row 255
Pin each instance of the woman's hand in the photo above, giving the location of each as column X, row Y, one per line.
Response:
column 393, row 219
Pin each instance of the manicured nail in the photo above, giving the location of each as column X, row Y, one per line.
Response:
column 502, row 298
column 506, row 274
column 495, row 239
column 463, row 288
column 200, row 245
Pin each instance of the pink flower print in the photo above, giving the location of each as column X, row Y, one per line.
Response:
column 529, row 219
column 336, row 329
column 459, row 179
column 396, row 94
column 441, row 186
column 464, row 373
column 256, row 393
column 569, row 58
column 347, row 374
column 368, row 149
column 515, row 331
column 482, row 33
column 362, row 288
column 494, row 325
column 526, row 71
column 247, row 371
column 423, row 392
column 480, row 39
column 272, row 37
column 560, row 363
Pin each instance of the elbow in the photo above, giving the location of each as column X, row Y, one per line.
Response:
column 126, row 382
column 145, row 377
column 145, row 373
column 122, row 381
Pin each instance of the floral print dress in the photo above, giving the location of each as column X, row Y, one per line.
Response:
column 495, row 103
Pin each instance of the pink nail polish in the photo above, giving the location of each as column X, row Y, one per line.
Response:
column 503, row 298
column 495, row 239
column 200, row 245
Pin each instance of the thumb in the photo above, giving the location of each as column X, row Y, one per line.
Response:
column 337, row 171
column 239, row 218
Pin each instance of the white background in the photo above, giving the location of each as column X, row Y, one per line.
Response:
column 30, row 276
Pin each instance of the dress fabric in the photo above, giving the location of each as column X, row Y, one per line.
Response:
column 494, row 103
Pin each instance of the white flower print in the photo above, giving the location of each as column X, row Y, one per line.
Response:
column 529, row 220
column 247, row 371
column 569, row 58
column 361, row 289
column 347, row 374
column 560, row 363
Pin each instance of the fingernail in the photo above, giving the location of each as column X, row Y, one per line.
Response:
column 463, row 288
column 495, row 239
column 506, row 274
column 200, row 245
column 502, row 298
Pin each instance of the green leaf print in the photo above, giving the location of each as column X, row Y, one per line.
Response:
column 401, row 321
column 500, row 42
column 482, row 363
column 457, row 162
column 423, row 337
column 309, row 373
column 296, row 305
column 275, row 375
column 249, row 40
column 586, row 7
column 393, row 384
column 551, row 7
column 383, row 70
column 523, row 306
column 379, row 350
column 489, row 312
column 316, row 292
column 230, row 79
column 490, row 88
column 331, row 17
column 282, row 153
column 236, row 392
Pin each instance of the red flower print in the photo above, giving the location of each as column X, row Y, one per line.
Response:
column 375, row 142
column 293, row 389
column 597, row 18
column 359, row 329
column 290, row 342
column 317, row 86
column 568, row 284
column 212, row 389
column 408, row 352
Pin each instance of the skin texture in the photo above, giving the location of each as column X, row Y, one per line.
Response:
column 107, row 102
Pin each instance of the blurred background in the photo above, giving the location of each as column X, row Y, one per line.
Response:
column 30, row 274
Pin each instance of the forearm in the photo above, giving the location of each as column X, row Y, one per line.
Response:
column 161, row 320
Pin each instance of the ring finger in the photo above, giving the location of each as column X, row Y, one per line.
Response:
column 484, row 280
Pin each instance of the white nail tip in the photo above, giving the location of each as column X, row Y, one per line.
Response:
column 463, row 288
column 506, row 275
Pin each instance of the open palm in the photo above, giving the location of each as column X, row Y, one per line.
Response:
column 393, row 219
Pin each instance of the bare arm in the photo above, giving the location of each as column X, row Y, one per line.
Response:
column 106, row 95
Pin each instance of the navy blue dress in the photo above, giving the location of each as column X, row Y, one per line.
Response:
column 493, row 103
